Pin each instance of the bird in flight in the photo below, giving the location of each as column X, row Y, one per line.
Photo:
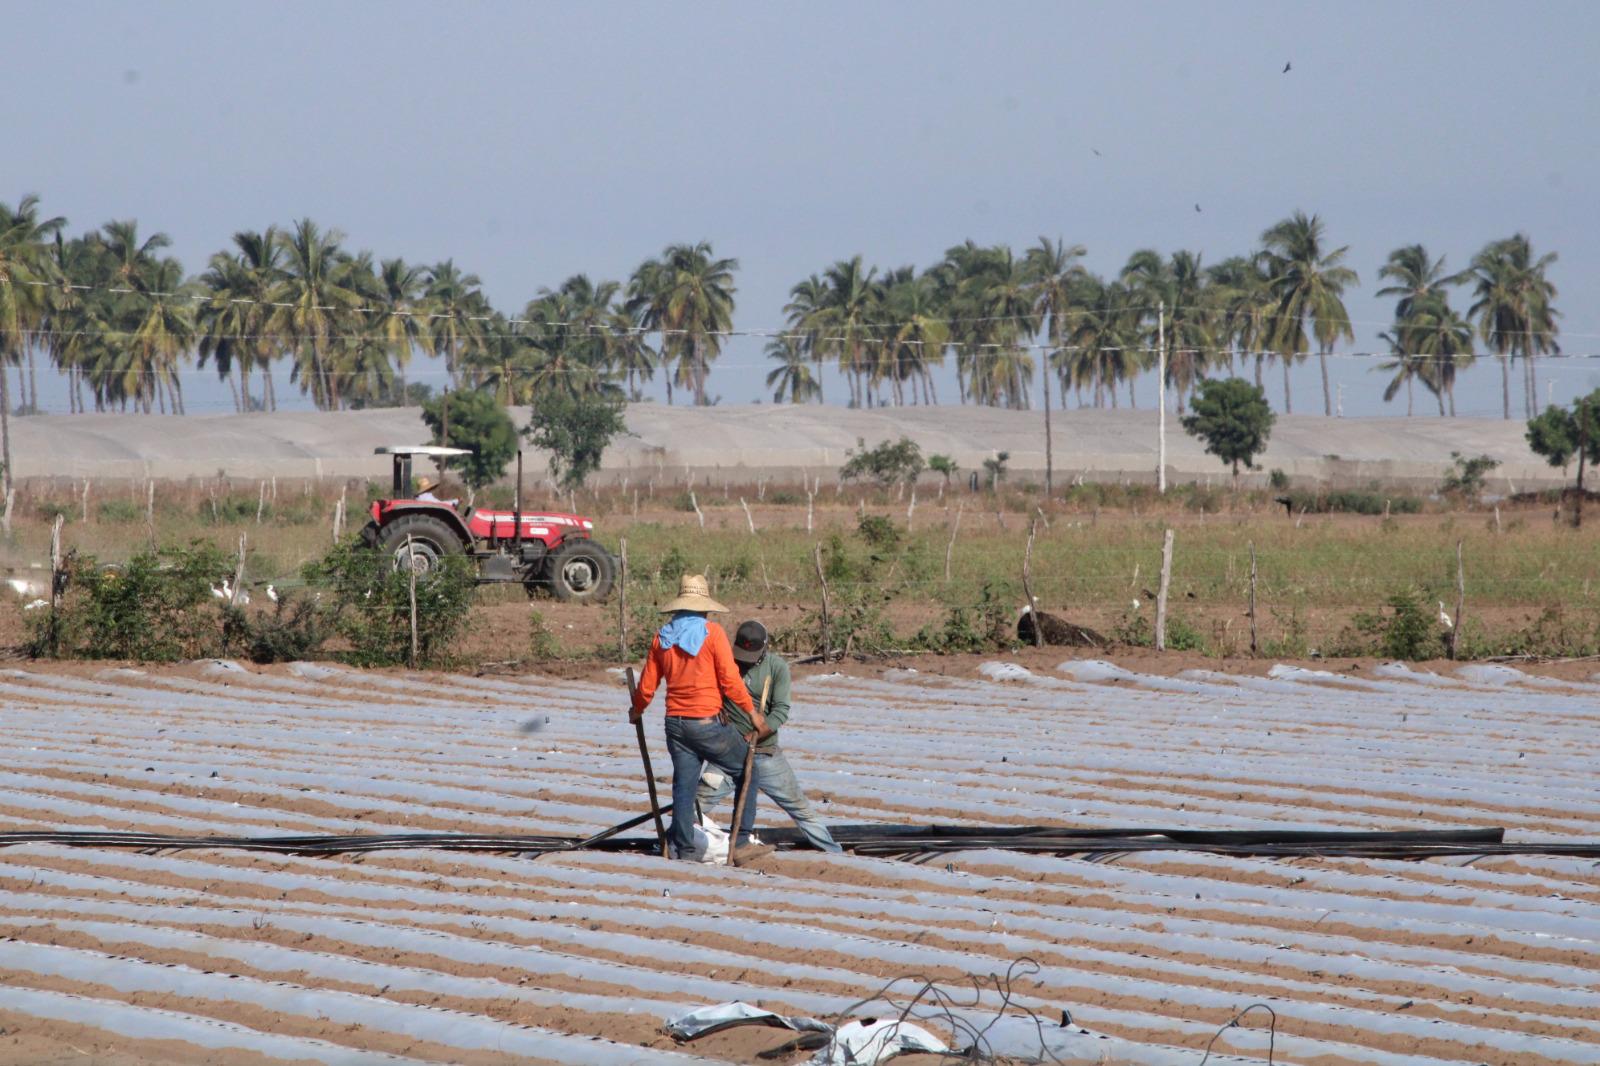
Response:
column 1286, row 67
column 1096, row 151
column 1197, row 209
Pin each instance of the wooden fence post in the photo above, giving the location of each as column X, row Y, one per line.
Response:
column 622, row 596
column 911, row 509
column 747, row 516
column 411, row 591
column 1161, row 592
column 238, row 576
column 1027, row 587
column 949, row 548
column 261, row 501
column 5, row 520
column 697, row 512
column 58, row 581
column 1461, row 602
column 1254, row 648
column 827, row 640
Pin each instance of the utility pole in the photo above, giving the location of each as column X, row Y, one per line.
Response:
column 1340, row 408
column 1161, row 394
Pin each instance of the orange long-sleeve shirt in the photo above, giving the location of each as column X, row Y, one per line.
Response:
column 695, row 683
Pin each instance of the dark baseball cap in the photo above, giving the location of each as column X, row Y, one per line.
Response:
column 750, row 643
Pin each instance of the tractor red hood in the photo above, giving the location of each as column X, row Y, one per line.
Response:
column 536, row 525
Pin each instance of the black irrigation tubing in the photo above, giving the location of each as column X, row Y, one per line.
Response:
column 912, row 842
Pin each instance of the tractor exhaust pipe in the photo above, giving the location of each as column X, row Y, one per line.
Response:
column 516, row 510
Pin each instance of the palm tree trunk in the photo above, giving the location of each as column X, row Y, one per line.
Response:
column 1505, row 383
column 1288, row 404
column 1533, row 374
column 233, row 387
column 33, row 383
column 5, row 426
column 1327, row 396
column 1408, row 396
column 1259, row 360
column 1049, row 443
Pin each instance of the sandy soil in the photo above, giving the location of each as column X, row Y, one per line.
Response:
column 1492, row 962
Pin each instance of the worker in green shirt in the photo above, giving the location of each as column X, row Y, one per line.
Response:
column 773, row 776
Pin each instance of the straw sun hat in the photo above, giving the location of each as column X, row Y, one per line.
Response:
column 694, row 594
column 426, row 483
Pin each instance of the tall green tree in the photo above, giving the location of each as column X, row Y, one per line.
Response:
column 1233, row 418
column 687, row 295
column 1514, row 305
column 457, row 313
column 1307, row 283
column 234, row 318
column 1103, row 342
column 1177, row 312
column 792, row 376
column 26, row 268
column 317, row 298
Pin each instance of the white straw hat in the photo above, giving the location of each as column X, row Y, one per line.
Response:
column 694, row 594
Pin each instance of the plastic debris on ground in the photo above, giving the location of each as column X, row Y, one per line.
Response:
column 703, row 1021
column 867, row 1043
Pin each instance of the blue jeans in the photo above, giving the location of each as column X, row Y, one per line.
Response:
column 693, row 742
column 775, row 777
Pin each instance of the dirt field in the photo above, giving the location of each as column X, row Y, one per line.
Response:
column 415, row 956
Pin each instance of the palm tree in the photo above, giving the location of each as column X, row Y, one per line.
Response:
column 792, row 375
column 1442, row 340
column 404, row 319
column 233, row 320
column 686, row 296
column 1057, row 277
column 1514, row 304
column 457, row 311
column 1406, row 367
column 161, row 339
column 1305, row 282
column 806, row 301
column 317, row 300
column 1103, row 341
column 1240, row 300
column 1416, row 275
column 916, row 334
column 25, row 269
column 1175, row 292
column 847, row 322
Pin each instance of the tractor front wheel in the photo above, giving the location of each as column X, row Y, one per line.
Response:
column 431, row 540
column 581, row 571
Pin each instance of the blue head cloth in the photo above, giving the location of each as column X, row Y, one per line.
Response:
column 686, row 630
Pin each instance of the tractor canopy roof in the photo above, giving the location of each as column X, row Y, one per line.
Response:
column 419, row 449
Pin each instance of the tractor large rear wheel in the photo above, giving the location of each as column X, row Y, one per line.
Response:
column 581, row 571
column 431, row 540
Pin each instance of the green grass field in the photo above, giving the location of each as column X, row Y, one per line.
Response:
column 1532, row 584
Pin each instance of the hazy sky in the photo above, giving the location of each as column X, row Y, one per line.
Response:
column 533, row 141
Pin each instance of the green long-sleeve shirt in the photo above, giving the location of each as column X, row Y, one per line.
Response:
column 774, row 667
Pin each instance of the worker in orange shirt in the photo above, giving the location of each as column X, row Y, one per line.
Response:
column 693, row 656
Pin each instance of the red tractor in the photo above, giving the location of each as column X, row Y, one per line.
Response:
column 540, row 550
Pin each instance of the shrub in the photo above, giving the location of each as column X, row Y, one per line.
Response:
column 1465, row 477
column 887, row 463
column 158, row 608
column 1409, row 632
column 1277, row 480
column 879, row 532
column 370, row 603
column 294, row 630
column 1352, row 502
column 119, row 512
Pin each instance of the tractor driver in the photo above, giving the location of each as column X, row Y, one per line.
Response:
column 425, row 487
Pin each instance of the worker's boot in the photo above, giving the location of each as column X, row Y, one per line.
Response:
column 750, row 852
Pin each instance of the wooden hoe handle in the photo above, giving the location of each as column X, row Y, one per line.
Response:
column 649, row 774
